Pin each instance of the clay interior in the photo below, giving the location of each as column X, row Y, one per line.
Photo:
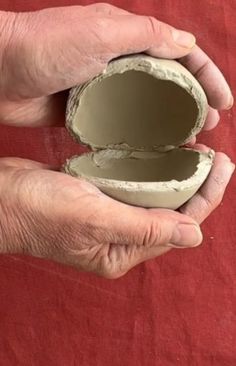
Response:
column 178, row 164
column 137, row 109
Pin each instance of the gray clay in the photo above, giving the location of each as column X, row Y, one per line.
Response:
column 135, row 116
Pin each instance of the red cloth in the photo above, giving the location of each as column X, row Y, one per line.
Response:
column 179, row 309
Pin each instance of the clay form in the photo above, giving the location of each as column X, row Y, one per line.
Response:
column 135, row 116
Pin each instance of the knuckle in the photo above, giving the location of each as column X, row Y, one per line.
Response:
column 152, row 235
column 154, row 27
column 110, row 274
column 106, row 270
column 104, row 7
column 104, row 37
column 203, row 69
column 210, row 204
column 214, row 199
column 112, row 265
column 102, row 32
column 102, row 25
column 219, row 182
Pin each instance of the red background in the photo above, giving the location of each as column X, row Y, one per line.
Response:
column 179, row 309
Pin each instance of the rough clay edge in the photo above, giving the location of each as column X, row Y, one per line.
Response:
column 159, row 68
column 201, row 173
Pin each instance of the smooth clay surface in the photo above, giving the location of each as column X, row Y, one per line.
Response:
column 136, row 114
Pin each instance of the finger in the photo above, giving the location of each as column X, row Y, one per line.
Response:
column 145, row 33
column 13, row 162
column 191, row 142
column 210, row 77
column 136, row 226
column 212, row 119
column 54, row 59
column 201, row 148
column 211, row 193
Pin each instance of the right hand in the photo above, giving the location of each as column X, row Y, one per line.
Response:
column 51, row 50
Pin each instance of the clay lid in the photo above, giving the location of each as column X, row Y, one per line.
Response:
column 138, row 103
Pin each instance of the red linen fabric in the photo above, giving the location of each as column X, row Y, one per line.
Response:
column 179, row 309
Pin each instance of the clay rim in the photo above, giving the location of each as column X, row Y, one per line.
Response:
column 162, row 69
column 202, row 170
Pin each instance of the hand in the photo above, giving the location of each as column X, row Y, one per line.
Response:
column 52, row 215
column 49, row 51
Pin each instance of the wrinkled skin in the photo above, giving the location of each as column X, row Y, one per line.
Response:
column 51, row 215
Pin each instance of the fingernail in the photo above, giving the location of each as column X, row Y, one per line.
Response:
column 186, row 235
column 183, row 39
column 231, row 103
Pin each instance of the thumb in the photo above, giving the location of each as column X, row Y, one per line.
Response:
column 151, row 227
column 67, row 46
column 134, row 34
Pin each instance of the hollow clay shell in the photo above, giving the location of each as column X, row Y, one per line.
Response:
column 135, row 116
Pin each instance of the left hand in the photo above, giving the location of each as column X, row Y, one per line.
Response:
column 55, row 216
